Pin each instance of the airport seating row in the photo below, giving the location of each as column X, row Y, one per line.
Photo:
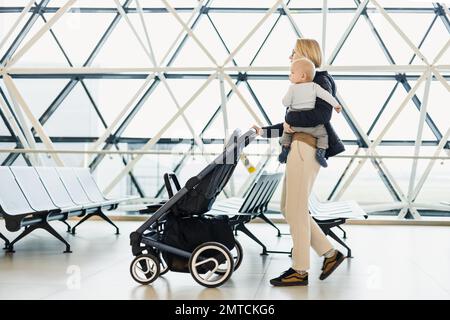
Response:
column 32, row 197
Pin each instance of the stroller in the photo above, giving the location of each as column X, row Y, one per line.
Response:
column 180, row 236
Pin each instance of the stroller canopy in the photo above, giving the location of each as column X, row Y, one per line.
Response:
column 203, row 188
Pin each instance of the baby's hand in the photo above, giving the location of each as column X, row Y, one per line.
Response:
column 338, row 108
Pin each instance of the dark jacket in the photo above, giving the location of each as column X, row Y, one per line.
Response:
column 321, row 114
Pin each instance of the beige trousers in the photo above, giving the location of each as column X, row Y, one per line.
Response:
column 301, row 171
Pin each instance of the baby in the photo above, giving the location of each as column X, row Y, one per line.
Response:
column 301, row 96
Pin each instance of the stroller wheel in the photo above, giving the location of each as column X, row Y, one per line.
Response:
column 206, row 260
column 145, row 268
column 238, row 254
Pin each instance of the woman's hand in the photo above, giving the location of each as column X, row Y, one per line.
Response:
column 287, row 128
column 258, row 130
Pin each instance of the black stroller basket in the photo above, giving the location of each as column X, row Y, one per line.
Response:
column 180, row 236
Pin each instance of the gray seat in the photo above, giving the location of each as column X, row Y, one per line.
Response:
column 33, row 189
column 55, row 188
column 13, row 204
column 335, row 209
column 74, row 188
column 90, row 187
column 257, row 198
column 254, row 205
column 12, row 199
column 91, row 196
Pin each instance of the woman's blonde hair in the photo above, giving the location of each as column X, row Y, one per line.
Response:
column 310, row 49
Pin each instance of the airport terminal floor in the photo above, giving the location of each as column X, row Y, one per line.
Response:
column 381, row 267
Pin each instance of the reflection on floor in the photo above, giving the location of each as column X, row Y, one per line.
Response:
column 390, row 262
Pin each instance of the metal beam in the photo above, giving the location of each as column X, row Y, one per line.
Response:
column 15, row 137
column 386, row 102
column 25, row 10
column 197, row 76
column 112, row 138
column 229, row 10
column 240, row 77
column 400, row 76
column 97, row 110
column 72, row 83
column 180, row 164
column 361, row 8
column 24, row 31
column 440, row 11
column 152, row 87
column 417, row 102
column 158, row 135
column 258, row 103
column 190, row 141
column 12, row 157
column 38, row 35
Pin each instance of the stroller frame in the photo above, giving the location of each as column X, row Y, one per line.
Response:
column 148, row 237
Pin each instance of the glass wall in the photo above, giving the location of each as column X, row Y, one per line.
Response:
column 80, row 67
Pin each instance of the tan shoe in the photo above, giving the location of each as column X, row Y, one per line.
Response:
column 290, row 278
column 330, row 264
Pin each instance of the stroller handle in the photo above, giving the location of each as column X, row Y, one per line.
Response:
column 248, row 136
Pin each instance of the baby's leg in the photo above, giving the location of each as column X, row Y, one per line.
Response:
column 285, row 141
column 322, row 137
column 322, row 144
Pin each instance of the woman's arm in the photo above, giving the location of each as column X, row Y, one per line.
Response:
column 322, row 111
column 273, row 131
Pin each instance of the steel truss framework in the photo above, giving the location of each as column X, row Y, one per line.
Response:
column 14, row 110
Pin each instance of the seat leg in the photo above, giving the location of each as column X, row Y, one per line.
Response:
column 26, row 231
column 5, row 240
column 47, row 227
column 345, row 233
column 335, row 237
column 43, row 225
column 241, row 227
column 107, row 219
column 264, row 218
column 68, row 225
column 325, row 229
column 234, row 222
column 98, row 213
column 87, row 216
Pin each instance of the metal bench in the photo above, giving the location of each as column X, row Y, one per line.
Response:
column 333, row 214
column 254, row 205
column 31, row 197
column 89, row 195
column 327, row 215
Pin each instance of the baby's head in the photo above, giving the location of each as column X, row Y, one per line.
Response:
column 302, row 70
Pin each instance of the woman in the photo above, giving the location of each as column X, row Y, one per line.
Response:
column 301, row 171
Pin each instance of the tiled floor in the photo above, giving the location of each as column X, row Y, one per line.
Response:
column 390, row 262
